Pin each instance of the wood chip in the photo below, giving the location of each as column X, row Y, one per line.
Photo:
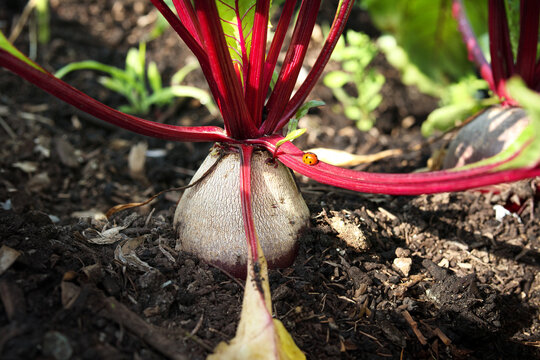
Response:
column 26, row 166
column 125, row 253
column 70, row 292
column 403, row 265
column 118, row 312
column 137, row 160
column 388, row 214
column 106, row 237
column 12, row 297
column 414, row 326
column 350, row 233
column 166, row 252
column 442, row 336
column 66, row 152
column 7, row 257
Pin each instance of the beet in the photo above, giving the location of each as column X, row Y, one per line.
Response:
column 209, row 221
column 488, row 134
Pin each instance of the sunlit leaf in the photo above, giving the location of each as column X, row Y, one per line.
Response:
column 181, row 74
column 306, row 107
column 530, row 137
column 135, row 61
column 336, row 79
column 154, row 77
column 291, row 136
column 344, row 158
column 92, row 65
column 292, row 131
column 43, row 19
column 447, row 117
column 237, row 17
column 427, row 32
column 524, row 152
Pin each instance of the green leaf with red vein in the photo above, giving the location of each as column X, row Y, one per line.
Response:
column 237, row 17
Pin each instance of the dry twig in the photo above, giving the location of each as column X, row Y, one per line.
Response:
column 414, row 327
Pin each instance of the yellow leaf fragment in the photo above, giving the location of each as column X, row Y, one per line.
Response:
column 343, row 158
column 259, row 336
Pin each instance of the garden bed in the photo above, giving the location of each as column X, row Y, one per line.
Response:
column 471, row 290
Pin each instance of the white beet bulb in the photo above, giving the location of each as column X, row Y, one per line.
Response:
column 208, row 218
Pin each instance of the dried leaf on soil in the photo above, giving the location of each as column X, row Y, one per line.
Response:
column 70, row 293
column 7, row 257
column 106, row 237
column 350, row 233
column 125, row 253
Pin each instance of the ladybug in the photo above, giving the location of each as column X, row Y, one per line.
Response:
column 310, row 158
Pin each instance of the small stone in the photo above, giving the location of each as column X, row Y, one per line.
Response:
column 7, row 257
column 56, row 345
column 403, row 253
column 444, row 263
column 403, row 265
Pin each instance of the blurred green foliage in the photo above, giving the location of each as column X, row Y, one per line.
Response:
column 423, row 42
column 355, row 51
column 526, row 146
column 161, row 24
column 141, row 85
column 43, row 19
column 527, row 143
column 426, row 30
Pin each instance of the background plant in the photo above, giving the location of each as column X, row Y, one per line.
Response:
column 421, row 40
column 355, row 52
column 161, row 23
column 511, row 56
column 142, row 85
column 36, row 14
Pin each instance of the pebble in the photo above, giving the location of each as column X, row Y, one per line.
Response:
column 402, row 253
column 403, row 265
column 56, row 345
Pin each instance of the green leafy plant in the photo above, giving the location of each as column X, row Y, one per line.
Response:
column 161, row 23
column 142, row 85
column 422, row 41
column 42, row 17
column 36, row 14
column 513, row 50
column 355, row 51
column 459, row 101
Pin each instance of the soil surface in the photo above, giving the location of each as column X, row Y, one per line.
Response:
column 376, row 277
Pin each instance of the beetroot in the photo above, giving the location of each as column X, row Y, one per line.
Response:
column 487, row 135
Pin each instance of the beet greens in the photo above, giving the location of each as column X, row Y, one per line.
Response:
column 504, row 63
column 240, row 93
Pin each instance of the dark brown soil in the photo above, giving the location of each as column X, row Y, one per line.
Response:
column 472, row 291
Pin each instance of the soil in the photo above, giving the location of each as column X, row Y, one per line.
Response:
column 429, row 277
